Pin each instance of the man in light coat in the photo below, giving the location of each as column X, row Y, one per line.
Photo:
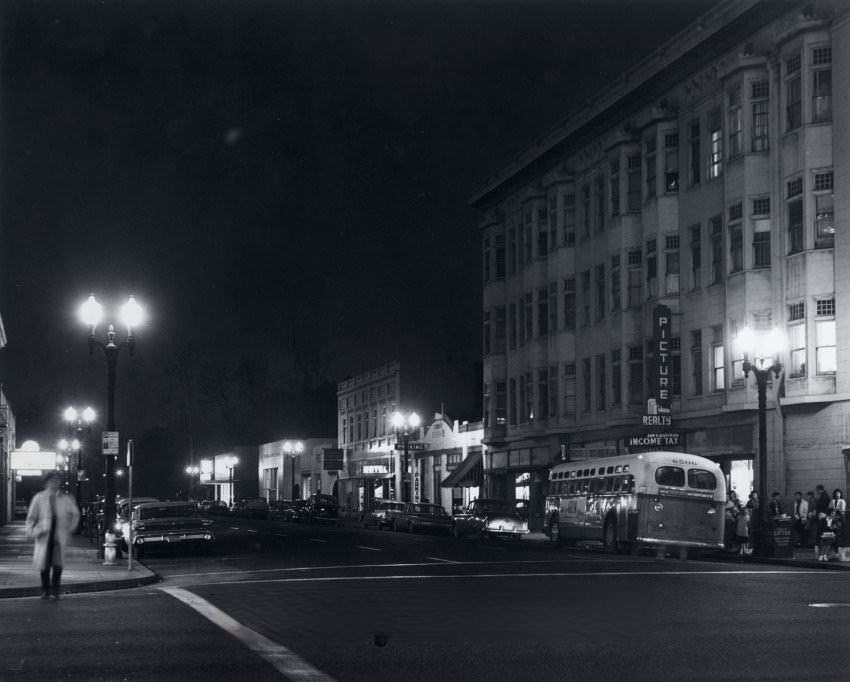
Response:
column 52, row 517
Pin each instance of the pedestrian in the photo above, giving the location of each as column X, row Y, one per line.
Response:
column 838, row 507
column 801, row 518
column 742, row 530
column 822, row 504
column 754, row 521
column 775, row 507
column 730, row 520
column 51, row 518
column 812, row 521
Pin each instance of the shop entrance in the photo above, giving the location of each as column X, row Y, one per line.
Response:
column 738, row 473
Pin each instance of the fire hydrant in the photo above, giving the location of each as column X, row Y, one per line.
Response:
column 110, row 549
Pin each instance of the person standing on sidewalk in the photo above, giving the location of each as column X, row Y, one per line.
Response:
column 822, row 504
column 801, row 518
column 51, row 518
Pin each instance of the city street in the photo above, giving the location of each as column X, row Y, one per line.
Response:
column 365, row 604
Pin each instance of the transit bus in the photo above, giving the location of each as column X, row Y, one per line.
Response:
column 665, row 499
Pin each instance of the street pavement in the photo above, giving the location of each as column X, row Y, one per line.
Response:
column 312, row 602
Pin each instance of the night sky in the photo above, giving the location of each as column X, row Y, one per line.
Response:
column 285, row 185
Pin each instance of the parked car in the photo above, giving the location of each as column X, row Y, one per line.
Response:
column 419, row 516
column 252, row 508
column 156, row 524
column 297, row 512
column 322, row 508
column 122, row 509
column 20, row 508
column 278, row 508
column 213, row 507
column 486, row 518
column 382, row 514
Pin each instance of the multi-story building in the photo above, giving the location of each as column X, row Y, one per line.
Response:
column 373, row 448
column 7, row 444
column 707, row 180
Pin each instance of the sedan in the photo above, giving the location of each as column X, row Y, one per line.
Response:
column 417, row 517
column 486, row 518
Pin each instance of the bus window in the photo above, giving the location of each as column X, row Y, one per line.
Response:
column 573, row 474
column 610, row 470
column 674, row 476
column 701, row 479
column 586, row 473
column 618, row 469
column 617, row 482
column 609, row 484
column 629, row 484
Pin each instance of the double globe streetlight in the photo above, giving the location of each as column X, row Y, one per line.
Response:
column 230, row 464
column 292, row 449
column 764, row 348
column 131, row 315
column 405, row 424
column 78, row 422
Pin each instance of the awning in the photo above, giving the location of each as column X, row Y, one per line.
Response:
column 468, row 473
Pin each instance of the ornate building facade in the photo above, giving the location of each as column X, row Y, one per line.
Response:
column 707, row 182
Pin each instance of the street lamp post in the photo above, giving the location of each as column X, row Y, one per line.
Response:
column 79, row 423
column 292, row 448
column 192, row 471
column 404, row 425
column 132, row 315
column 231, row 465
column 70, row 450
column 764, row 348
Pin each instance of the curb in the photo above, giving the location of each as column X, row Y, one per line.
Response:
column 80, row 588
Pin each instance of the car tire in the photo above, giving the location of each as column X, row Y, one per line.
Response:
column 455, row 531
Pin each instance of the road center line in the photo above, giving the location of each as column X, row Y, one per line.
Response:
column 830, row 606
column 371, row 549
column 317, row 540
column 624, row 574
column 407, row 565
column 445, row 561
column 283, row 659
column 250, row 530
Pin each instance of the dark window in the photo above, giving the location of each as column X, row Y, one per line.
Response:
column 701, row 479
column 674, row 476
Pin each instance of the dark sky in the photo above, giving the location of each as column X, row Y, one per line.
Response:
column 284, row 184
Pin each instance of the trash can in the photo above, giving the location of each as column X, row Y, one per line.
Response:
column 777, row 539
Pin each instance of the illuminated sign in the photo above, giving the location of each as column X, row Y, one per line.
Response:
column 661, row 319
column 25, row 460
column 380, row 469
column 206, row 469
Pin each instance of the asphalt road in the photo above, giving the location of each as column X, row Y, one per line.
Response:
column 373, row 605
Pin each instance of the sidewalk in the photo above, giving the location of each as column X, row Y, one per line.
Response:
column 83, row 571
